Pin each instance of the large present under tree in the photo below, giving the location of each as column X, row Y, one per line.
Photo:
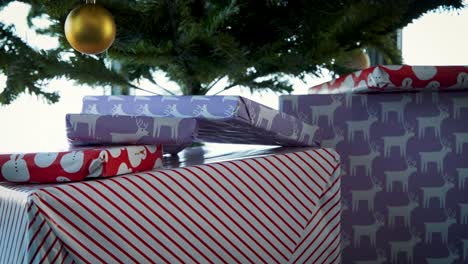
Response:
column 405, row 169
column 277, row 207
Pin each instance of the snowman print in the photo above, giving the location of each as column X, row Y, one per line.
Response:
column 123, row 169
column 425, row 72
column 115, row 152
column 136, row 156
column 44, row 160
column 16, row 169
column 62, row 179
column 158, row 164
column 152, row 148
column 72, row 162
column 96, row 166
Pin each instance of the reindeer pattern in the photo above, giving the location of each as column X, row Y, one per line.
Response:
column 89, row 120
column 398, row 141
column 142, row 130
column 222, row 119
column 129, row 129
column 453, row 255
column 363, row 126
column 462, row 177
column 403, row 211
column 397, row 107
column 405, row 247
column 440, row 227
column 400, row 176
column 366, row 195
column 416, row 178
column 368, row 230
column 437, row 192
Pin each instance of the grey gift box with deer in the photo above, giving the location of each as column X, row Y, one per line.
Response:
column 405, row 172
column 220, row 119
column 83, row 129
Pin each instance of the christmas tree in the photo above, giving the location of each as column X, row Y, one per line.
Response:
column 197, row 43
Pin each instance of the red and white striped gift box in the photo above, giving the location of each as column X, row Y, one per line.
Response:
column 282, row 208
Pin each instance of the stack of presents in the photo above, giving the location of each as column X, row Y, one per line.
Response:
column 372, row 170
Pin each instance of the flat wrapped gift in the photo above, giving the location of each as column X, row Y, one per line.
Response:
column 83, row 129
column 78, row 164
column 391, row 78
column 281, row 207
column 221, row 119
column 405, row 171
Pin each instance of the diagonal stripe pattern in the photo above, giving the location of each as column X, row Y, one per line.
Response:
column 282, row 208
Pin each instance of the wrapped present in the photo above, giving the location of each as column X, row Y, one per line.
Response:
column 391, row 78
column 78, row 164
column 221, row 119
column 83, row 129
column 405, row 171
column 280, row 208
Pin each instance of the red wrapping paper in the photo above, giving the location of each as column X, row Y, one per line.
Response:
column 392, row 78
column 78, row 164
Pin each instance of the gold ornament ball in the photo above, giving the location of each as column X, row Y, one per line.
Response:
column 358, row 59
column 90, row 29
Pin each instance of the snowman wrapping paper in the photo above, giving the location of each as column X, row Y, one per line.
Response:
column 397, row 78
column 78, row 164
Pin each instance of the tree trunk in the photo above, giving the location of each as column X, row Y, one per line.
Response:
column 119, row 89
column 194, row 88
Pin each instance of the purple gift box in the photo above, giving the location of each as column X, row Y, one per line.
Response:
column 404, row 168
column 221, row 119
column 96, row 129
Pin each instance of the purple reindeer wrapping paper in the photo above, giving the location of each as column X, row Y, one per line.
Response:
column 404, row 168
column 221, row 119
column 85, row 129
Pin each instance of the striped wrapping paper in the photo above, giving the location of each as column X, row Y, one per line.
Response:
column 282, row 208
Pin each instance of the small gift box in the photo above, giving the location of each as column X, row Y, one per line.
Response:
column 393, row 78
column 79, row 163
column 221, row 119
column 404, row 159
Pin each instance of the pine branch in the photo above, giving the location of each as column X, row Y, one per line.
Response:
column 192, row 86
column 196, row 43
column 212, row 84
column 30, row 71
column 167, row 91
